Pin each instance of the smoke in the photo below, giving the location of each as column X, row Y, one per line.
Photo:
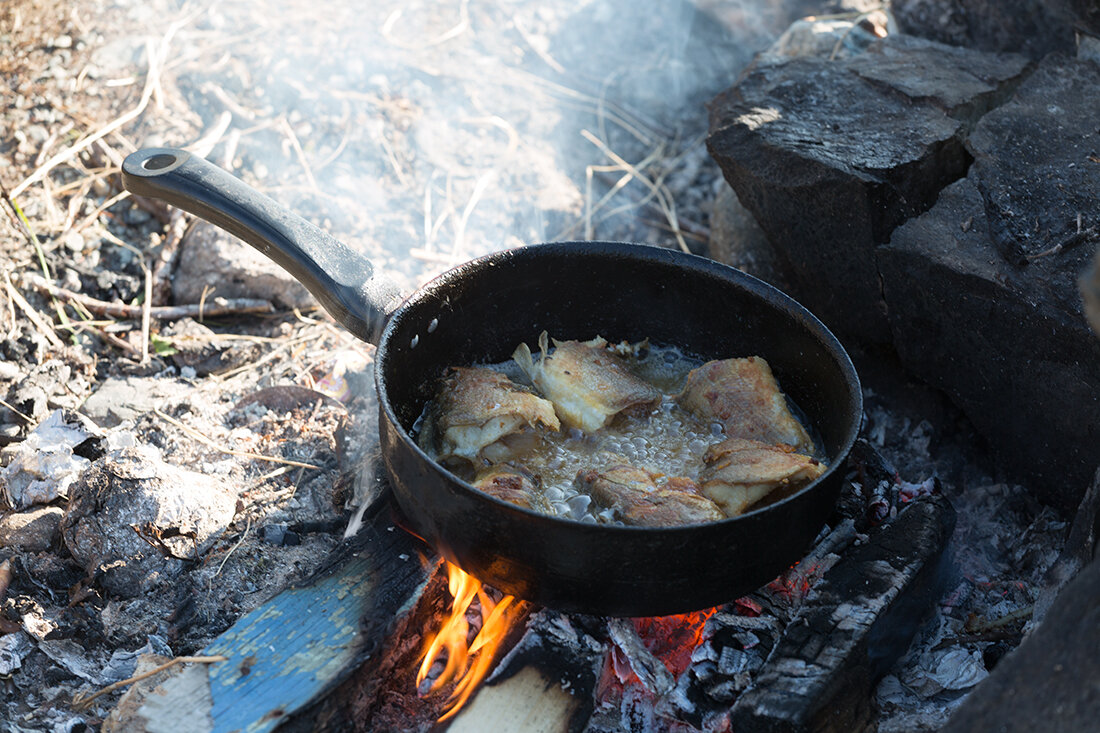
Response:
column 427, row 133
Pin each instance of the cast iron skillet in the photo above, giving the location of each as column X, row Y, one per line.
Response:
column 478, row 312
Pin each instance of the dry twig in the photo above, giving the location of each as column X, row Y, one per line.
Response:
column 220, row 307
column 43, row 328
column 83, row 703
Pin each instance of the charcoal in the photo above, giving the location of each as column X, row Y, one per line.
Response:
column 1033, row 27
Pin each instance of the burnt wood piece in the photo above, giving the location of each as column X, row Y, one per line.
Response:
column 857, row 621
column 301, row 643
column 1010, row 343
column 831, row 155
column 1052, row 680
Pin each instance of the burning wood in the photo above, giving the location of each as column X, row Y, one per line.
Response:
column 465, row 650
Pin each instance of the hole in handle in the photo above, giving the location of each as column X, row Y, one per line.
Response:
column 158, row 162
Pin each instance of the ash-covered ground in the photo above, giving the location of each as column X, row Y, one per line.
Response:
column 167, row 470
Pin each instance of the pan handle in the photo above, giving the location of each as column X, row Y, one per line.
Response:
column 344, row 282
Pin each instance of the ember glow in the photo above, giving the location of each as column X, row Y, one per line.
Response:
column 467, row 658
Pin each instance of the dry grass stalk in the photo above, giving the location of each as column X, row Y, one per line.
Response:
column 27, row 418
column 83, row 703
column 657, row 189
column 150, row 84
column 91, row 218
column 238, row 543
column 229, row 451
column 538, row 48
column 298, row 152
column 32, row 315
column 461, row 27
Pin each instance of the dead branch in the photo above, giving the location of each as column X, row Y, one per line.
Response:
column 220, row 306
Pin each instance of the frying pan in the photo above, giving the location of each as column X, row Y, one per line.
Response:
column 479, row 312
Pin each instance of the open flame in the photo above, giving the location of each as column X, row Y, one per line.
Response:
column 467, row 660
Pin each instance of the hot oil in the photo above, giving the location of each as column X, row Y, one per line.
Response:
column 669, row 441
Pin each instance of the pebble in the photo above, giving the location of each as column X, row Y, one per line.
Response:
column 62, row 41
column 74, row 241
column 136, row 216
column 31, row 531
column 37, row 133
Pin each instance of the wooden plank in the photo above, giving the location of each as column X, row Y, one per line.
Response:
column 527, row 702
column 302, row 642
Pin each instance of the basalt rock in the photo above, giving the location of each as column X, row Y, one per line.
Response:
column 830, row 156
column 982, row 290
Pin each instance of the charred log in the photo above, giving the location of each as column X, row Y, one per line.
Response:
column 860, row 618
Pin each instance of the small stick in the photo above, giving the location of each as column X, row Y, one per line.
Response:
column 106, row 336
column 166, row 258
column 230, row 451
column 83, row 703
column 238, row 543
column 220, row 307
column 146, row 307
column 20, row 414
column 41, row 325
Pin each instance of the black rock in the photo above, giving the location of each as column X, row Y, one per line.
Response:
column 1009, row 342
column 831, row 156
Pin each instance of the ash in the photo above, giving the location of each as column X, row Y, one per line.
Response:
column 1003, row 544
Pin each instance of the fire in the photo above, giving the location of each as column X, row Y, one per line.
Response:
column 467, row 660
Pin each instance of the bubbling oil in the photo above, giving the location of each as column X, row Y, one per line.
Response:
column 669, row 441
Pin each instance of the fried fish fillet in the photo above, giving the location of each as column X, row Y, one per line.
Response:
column 739, row 472
column 482, row 416
column 588, row 383
column 514, row 485
column 744, row 396
column 636, row 500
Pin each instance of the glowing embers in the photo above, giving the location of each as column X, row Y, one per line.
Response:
column 466, row 650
